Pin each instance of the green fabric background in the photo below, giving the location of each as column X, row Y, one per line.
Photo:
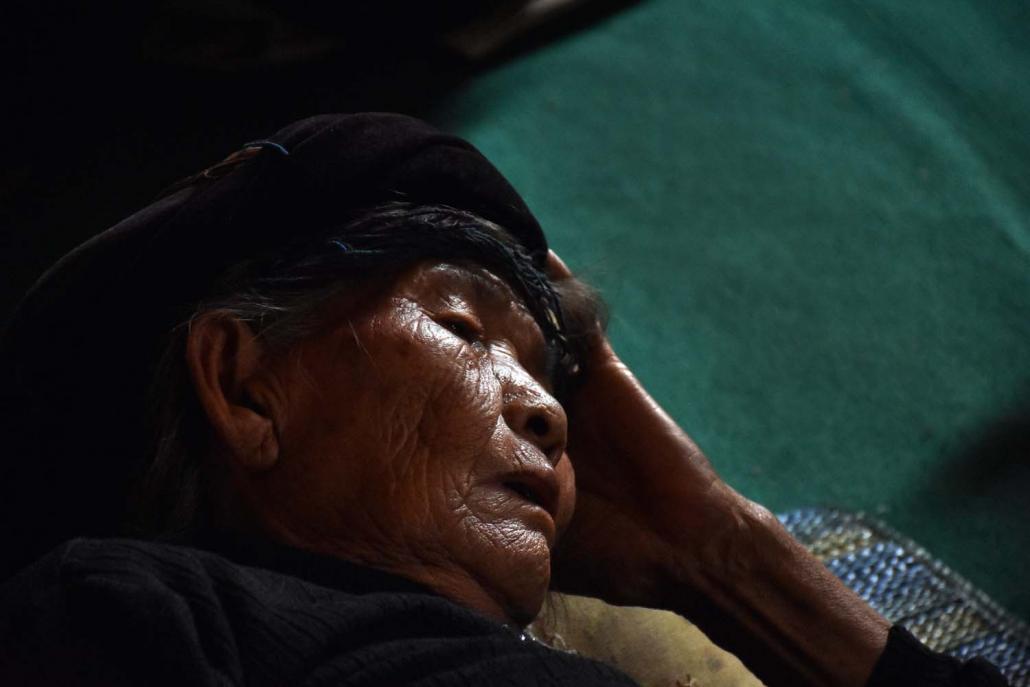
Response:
column 811, row 221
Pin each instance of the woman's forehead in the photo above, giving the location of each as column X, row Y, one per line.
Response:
column 466, row 280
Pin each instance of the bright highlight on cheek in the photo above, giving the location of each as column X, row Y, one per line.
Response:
column 421, row 422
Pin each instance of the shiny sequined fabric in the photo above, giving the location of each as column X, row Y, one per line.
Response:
column 907, row 585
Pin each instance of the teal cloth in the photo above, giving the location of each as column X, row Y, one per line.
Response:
column 811, row 220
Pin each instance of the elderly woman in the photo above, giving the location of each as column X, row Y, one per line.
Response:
column 353, row 421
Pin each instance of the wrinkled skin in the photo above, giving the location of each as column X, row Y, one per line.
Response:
column 415, row 434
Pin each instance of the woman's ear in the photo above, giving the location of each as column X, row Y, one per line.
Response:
column 234, row 389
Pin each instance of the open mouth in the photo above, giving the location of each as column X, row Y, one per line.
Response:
column 538, row 488
column 526, row 493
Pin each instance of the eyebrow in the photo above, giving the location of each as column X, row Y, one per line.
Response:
column 492, row 288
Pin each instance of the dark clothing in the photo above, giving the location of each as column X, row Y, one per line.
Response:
column 907, row 662
column 123, row 612
column 118, row 612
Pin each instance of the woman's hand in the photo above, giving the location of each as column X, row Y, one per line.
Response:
column 648, row 502
column 656, row 526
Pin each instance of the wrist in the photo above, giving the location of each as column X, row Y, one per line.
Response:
column 767, row 599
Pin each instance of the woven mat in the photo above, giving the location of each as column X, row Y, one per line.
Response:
column 907, row 585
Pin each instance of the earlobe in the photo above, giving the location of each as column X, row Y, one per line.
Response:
column 237, row 396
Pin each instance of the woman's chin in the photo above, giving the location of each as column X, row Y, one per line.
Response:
column 524, row 584
column 503, row 560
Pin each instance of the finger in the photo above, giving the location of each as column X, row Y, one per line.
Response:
column 556, row 267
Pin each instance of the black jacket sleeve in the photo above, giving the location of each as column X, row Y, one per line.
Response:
column 906, row 662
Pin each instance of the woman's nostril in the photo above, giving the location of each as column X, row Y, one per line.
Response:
column 538, row 426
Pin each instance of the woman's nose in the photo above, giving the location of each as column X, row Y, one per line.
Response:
column 535, row 415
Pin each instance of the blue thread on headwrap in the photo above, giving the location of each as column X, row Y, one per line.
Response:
column 351, row 250
column 268, row 145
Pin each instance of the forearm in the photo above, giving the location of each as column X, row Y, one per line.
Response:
column 731, row 566
column 725, row 563
column 779, row 609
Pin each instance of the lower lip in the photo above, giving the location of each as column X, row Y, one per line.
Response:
column 533, row 507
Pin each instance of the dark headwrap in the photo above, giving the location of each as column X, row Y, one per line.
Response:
column 80, row 352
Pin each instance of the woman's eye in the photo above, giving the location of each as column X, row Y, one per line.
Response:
column 464, row 329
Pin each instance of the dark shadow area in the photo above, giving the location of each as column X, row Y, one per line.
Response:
column 997, row 457
column 109, row 103
column 984, row 486
column 585, row 14
column 99, row 126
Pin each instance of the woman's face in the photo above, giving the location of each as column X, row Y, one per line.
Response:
column 418, row 435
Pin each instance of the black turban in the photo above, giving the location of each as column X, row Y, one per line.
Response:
column 79, row 353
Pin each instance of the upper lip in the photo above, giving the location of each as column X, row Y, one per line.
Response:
column 536, row 484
